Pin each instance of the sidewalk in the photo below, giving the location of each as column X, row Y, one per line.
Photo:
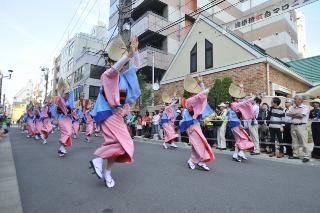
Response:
column 10, row 201
column 262, row 156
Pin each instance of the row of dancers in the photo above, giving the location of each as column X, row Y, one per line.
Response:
column 119, row 90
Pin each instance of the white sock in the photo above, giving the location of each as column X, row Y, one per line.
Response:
column 62, row 149
column 107, row 174
column 241, row 154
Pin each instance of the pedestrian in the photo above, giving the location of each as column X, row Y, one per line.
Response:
column 222, row 145
column 167, row 121
column 251, row 124
column 211, row 128
column 64, row 105
column 89, row 123
column 133, row 122
column 276, row 121
column 46, row 120
column 315, row 127
column 240, row 109
column 263, row 126
column 146, row 125
column 299, row 113
column 155, row 124
column 196, row 109
column 287, row 139
column 119, row 89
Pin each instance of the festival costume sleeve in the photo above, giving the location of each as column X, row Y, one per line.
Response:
column 136, row 60
column 70, row 100
column 198, row 103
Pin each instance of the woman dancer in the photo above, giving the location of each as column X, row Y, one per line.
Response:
column 196, row 110
column 120, row 88
column 64, row 105
column 167, row 122
column 46, row 121
column 238, row 109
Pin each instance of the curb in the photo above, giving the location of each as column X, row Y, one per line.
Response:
column 10, row 200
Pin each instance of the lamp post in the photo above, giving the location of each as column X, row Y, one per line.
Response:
column 1, row 79
column 46, row 78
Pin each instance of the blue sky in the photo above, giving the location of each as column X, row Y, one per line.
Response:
column 31, row 29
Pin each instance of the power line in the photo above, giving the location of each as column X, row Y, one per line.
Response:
column 66, row 29
column 94, row 4
column 85, row 8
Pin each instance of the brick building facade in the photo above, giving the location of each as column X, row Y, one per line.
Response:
column 214, row 53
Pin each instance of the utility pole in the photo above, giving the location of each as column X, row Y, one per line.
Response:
column 125, row 8
column 152, row 77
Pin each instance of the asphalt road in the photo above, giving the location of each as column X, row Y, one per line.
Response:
column 158, row 181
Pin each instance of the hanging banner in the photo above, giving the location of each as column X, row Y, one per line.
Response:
column 268, row 12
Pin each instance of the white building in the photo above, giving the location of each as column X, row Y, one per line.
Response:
column 79, row 60
column 25, row 94
column 301, row 33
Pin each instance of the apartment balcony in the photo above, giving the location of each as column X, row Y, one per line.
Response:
column 140, row 7
column 161, row 62
column 149, row 23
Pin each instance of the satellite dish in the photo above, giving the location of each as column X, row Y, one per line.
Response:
column 156, row 86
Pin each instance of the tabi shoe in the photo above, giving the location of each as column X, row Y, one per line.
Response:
column 44, row 141
column 109, row 182
column 173, row 145
column 37, row 137
column 191, row 164
column 203, row 166
column 74, row 137
column 96, row 165
column 61, row 154
column 237, row 159
column 305, row 160
column 164, row 145
column 28, row 136
column 242, row 156
column 88, row 140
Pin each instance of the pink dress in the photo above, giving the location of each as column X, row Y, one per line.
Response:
column 46, row 123
column 75, row 123
column 169, row 132
column 118, row 143
column 64, row 122
column 243, row 140
column 37, row 123
column 30, row 124
column 201, row 150
column 89, row 123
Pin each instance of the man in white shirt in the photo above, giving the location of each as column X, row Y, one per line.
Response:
column 299, row 114
column 155, row 123
column 254, row 128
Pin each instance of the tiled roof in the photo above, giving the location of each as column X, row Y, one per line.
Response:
column 308, row 68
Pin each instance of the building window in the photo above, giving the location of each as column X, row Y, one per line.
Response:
column 93, row 92
column 208, row 54
column 70, row 64
column 96, row 71
column 193, row 59
column 70, row 50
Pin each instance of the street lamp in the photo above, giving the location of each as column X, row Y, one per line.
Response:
column 1, row 78
column 46, row 78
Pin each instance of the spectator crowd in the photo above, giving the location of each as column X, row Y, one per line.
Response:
column 279, row 129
